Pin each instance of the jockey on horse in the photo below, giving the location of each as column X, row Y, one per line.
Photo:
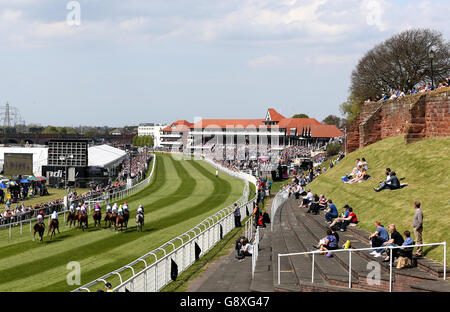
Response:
column 39, row 226
column 54, row 223
column 140, row 218
column 83, row 217
column 120, row 218
column 97, row 214
column 126, row 213
column 72, row 217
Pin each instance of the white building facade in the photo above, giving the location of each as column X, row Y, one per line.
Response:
column 153, row 130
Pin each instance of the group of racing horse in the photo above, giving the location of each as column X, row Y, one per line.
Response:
column 117, row 217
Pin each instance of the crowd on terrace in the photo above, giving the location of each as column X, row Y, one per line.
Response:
column 401, row 93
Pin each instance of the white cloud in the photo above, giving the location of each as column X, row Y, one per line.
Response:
column 266, row 60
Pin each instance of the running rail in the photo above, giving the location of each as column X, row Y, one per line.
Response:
column 156, row 275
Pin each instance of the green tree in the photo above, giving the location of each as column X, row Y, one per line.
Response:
column 332, row 120
column 300, row 116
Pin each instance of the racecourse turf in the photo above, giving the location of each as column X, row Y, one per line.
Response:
column 424, row 164
column 181, row 194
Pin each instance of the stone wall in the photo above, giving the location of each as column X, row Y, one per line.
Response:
column 416, row 116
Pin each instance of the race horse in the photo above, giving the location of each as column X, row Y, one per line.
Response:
column 72, row 217
column 83, row 220
column 97, row 216
column 126, row 217
column 120, row 220
column 54, row 225
column 39, row 228
column 111, row 218
column 139, row 221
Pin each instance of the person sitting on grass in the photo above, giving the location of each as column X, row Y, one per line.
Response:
column 331, row 212
column 391, row 183
column 348, row 216
column 360, row 176
column 378, row 238
column 395, row 239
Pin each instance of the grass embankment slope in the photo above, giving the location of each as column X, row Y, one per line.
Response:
column 424, row 164
column 180, row 195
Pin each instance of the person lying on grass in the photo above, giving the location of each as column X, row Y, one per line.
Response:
column 360, row 176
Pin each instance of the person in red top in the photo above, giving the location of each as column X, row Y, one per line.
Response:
column 348, row 217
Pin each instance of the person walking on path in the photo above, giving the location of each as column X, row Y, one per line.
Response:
column 418, row 228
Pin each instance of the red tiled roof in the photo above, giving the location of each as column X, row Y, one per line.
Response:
column 179, row 126
column 325, row 131
column 275, row 116
column 298, row 123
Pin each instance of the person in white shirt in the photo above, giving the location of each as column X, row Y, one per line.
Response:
column 246, row 250
column 140, row 210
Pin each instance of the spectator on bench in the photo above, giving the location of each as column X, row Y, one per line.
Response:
column 307, row 200
column 378, row 238
column 395, row 239
column 246, row 250
column 330, row 242
column 322, row 202
column 347, row 217
column 314, row 207
column 331, row 212
column 406, row 252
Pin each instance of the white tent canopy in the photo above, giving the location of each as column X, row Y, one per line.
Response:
column 40, row 155
column 105, row 156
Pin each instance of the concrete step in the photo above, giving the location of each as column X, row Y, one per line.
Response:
column 328, row 268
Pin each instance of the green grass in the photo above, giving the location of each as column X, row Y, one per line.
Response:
column 180, row 195
column 424, row 164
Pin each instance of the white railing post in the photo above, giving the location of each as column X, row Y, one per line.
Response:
column 349, row 269
column 312, row 269
column 445, row 260
column 390, row 270
column 279, row 269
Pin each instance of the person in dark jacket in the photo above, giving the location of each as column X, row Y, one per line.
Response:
column 391, row 183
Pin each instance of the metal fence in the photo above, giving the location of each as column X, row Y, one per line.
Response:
column 277, row 202
column 313, row 253
column 20, row 220
column 194, row 243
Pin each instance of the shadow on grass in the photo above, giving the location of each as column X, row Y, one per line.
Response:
column 431, row 248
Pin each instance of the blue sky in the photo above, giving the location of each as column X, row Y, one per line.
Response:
column 158, row 60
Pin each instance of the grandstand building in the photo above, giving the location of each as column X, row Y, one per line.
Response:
column 271, row 134
column 153, row 130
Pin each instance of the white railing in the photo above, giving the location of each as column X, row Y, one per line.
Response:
column 255, row 251
column 313, row 253
column 99, row 199
column 277, row 202
column 206, row 234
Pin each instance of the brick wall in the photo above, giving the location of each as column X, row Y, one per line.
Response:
column 417, row 116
